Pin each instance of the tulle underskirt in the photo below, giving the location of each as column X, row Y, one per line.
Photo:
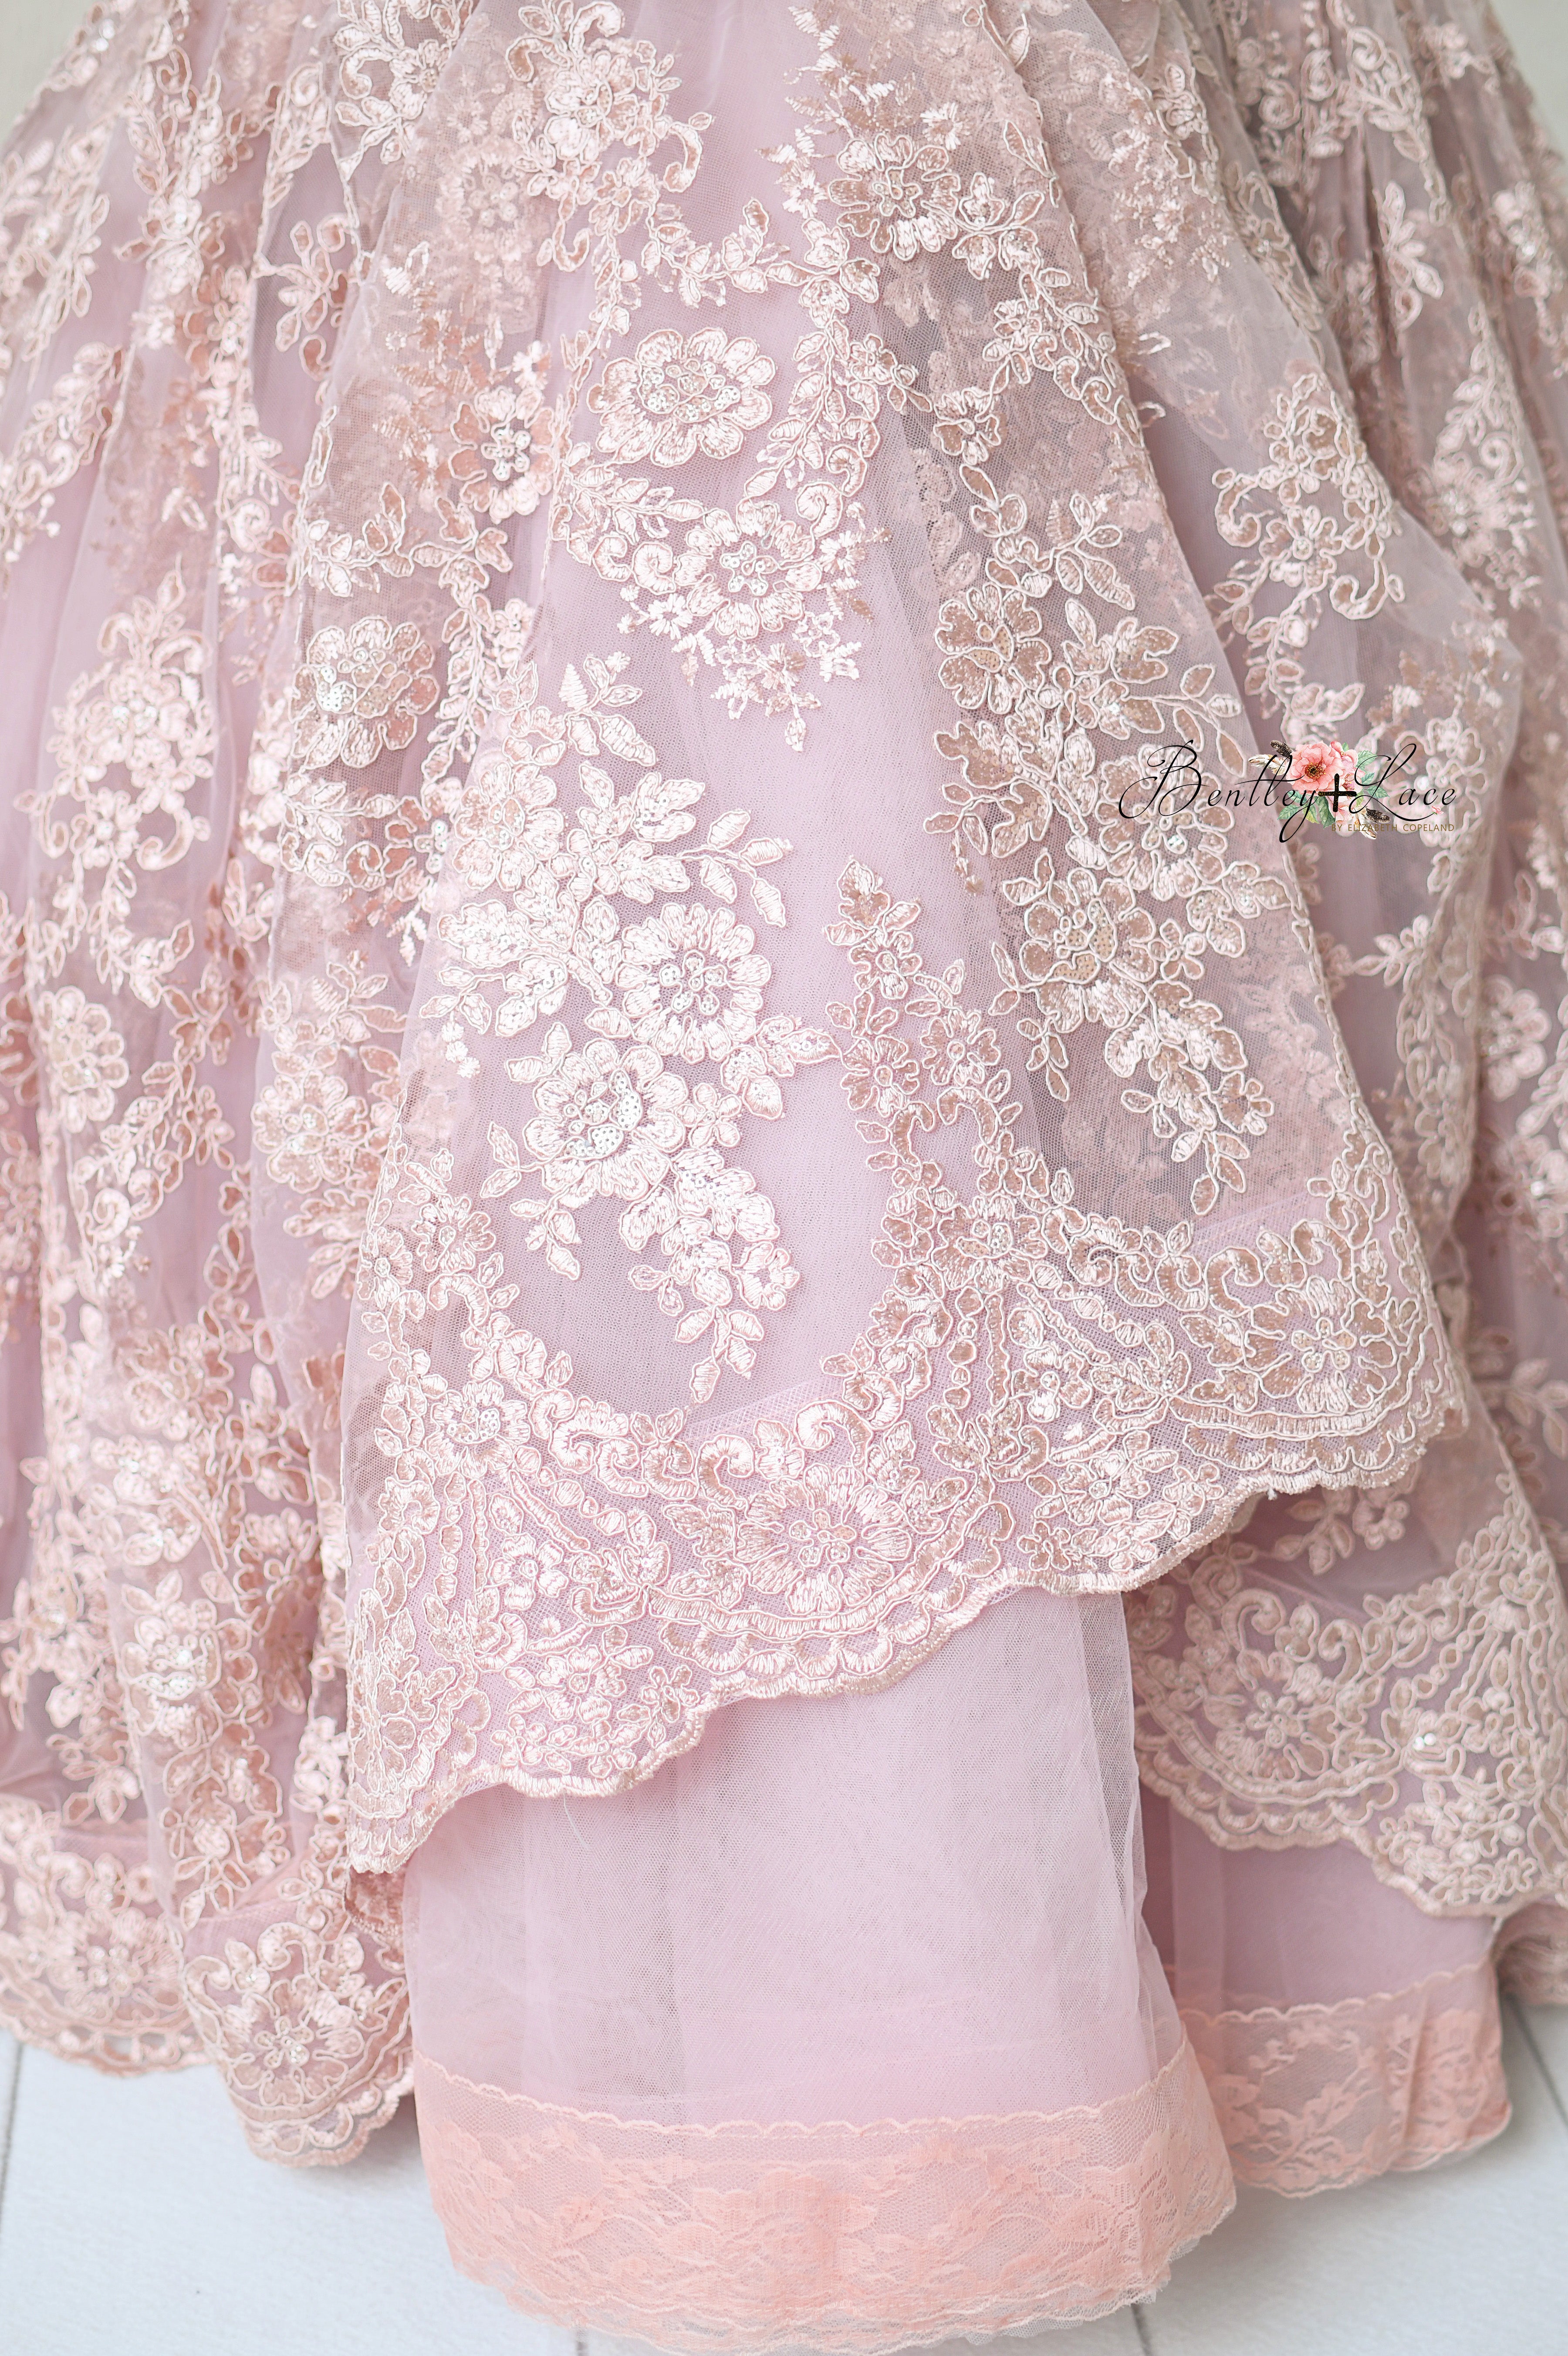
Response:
column 846, row 2031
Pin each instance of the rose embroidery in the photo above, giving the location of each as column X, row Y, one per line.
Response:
column 362, row 692
column 679, row 394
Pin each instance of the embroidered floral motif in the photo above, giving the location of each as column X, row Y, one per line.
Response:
column 88, row 1965
column 321, row 1139
column 1004, row 1414
column 1422, row 1727
column 386, row 78
column 168, row 1659
column 607, row 1119
column 993, row 647
column 1412, row 279
column 678, row 395
column 362, row 693
column 45, row 276
column 1347, row 78
column 61, row 436
column 84, row 1055
column 145, row 711
column 1513, row 1025
column 314, row 288
column 503, row 440
column 1298, row 543
column 1477, row 480
column 1532, row 269
column 691, row 983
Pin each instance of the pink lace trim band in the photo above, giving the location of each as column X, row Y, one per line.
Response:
column 1322, row 2097
column 856, row 2240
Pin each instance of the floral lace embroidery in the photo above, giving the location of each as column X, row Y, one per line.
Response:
column 679, row 394
column 752, row 590
column 185, row 1545
column 172, row 1658
column 319, row 1139
column 840, row 1545
column 1030, row 756
column 1530, row 268
column 1313, row 448
column 1309, row 109
column 1318, row 2098
column 61, row 437
column 1431, row 363
column 609, row 1118
column 89, row 45
column 88, row 1964
column 1528, row 1404
column 308, row 2018
column 46, row 273
column 1322, row 525
column 1424, row 1728
column 390, row 56
column 21, row 1209
column 1475, row 480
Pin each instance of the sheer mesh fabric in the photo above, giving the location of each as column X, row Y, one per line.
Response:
column 844, row 2027
column 1340, row 2031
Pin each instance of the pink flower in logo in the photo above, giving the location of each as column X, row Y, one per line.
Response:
column 1314, row 765
column 1328, row 769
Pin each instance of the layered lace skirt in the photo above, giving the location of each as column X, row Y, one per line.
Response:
column 785, row 1373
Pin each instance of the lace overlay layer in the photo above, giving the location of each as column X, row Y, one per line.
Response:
column 1050, row 1388
column 88, row 1968
column 175, row 1883
column 622, row 1092
column 1279, row 1706
column 1451, row 341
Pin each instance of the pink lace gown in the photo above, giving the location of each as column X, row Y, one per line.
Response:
column 719, row 1351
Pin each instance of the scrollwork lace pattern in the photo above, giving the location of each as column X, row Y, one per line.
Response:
column 1421, row 1726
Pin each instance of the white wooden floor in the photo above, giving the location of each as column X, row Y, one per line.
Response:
column 135, row 2222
